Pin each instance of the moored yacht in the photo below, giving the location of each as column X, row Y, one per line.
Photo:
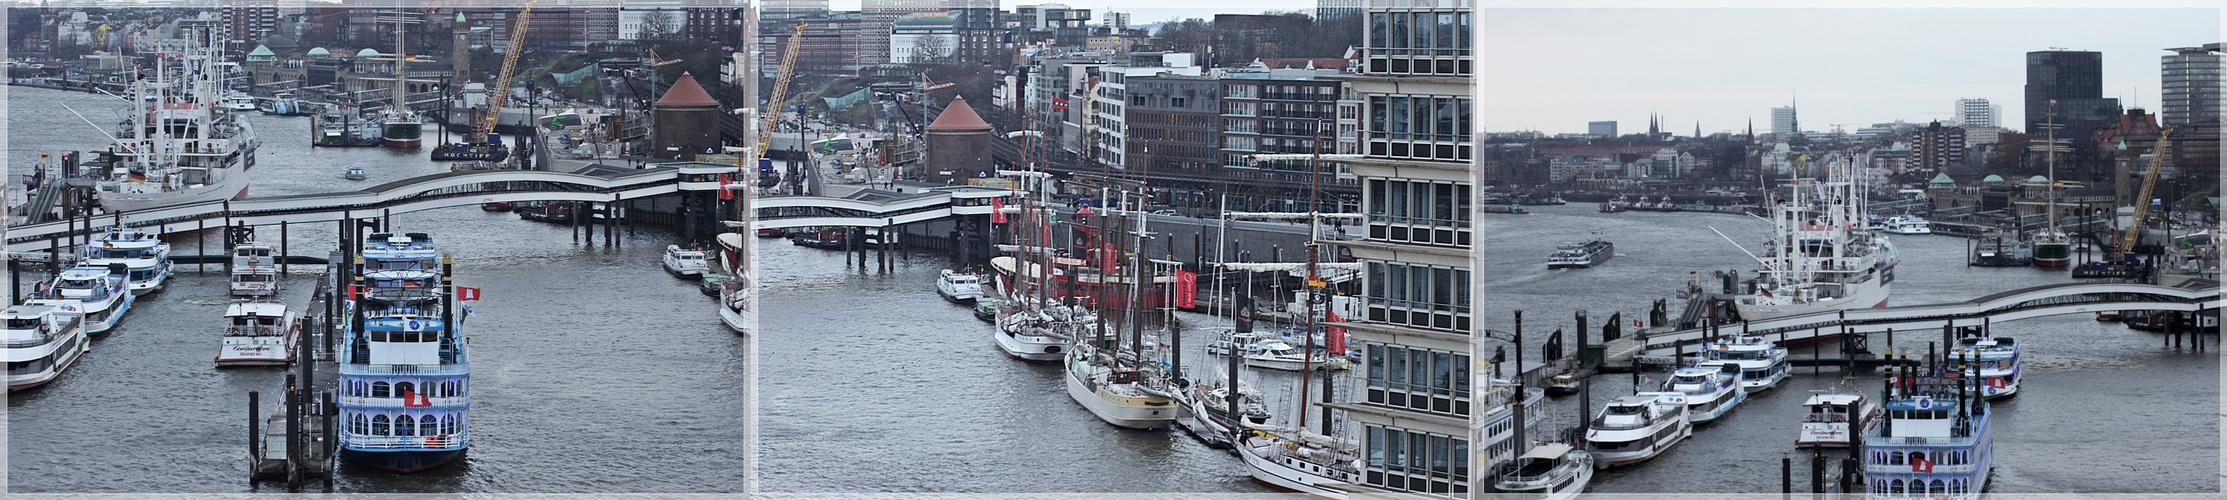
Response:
column 960, row 287
column 146, row 259
column 1996, row 360
column 259, row 333
column 1552, row 471
column 1040, row 334
column 1301, row 461
column 1635, row 428
column 1711, row 391
column 1277, row 355
column 97, row 293
column 43, row 340
column 1762, row 363
column 1831, row 416
column 684, row 261
column 1581, row 255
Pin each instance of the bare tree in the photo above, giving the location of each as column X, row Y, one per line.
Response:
column 658, row 25
column 930, row 50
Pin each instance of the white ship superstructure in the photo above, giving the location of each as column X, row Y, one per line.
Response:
column 1820, row 257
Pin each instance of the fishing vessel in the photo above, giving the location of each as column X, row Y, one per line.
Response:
column 1552, row 471
column 146, row 259
column 1632, row 429
column 684, row 261
column 44, row 338
column 738, row 306
column 1711, row 391
column 404, row 373
column 1830, row 417
column 2052, row 248
column 1204, row 410
column 1819, row 258
column 99, row 293
column 1300, row 461
column 1581, row 255
column 1996, row 361
column 259, row 333
column 181, row 147
column 960, row 287
column 1934, row 441
column 1999, row 248
column 254, row 271
column 1762, row 363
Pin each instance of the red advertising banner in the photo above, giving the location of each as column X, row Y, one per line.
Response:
column 1186, row 289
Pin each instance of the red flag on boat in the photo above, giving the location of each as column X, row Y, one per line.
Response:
column 1337, row 335
column 411, row 399
column 1186, row 289
column 997, row 210
column 1921, row 465
column 352, row 291
column 467, row 293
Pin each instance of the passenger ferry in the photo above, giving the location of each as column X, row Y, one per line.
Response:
column 1711, row 391
column 1762, row 363
column 1632, row 429
column 98, row 293
column 1581, row 255
column 254, row 271
column 1934, row 441
column 403, row 369
column 1829, row 418
column 1552, row 471
column 146, row 259
column 43, row 340
column 259, row 333
column 1906, row 224
column 1998, row 361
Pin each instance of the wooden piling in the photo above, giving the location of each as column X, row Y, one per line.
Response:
column 254, row 435
column 282, row 255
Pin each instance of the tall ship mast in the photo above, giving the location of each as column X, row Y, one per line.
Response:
column 400, row 127
column 2053, row 248
column 1819, row 259
column 404, row 378
column 177, row 145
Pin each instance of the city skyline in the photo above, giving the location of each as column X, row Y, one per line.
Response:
column 1146, row 12
column 1853, row 67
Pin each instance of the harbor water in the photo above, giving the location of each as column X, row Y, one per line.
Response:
column 593, row 370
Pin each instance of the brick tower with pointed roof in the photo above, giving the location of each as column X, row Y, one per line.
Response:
column 686, row 122
column 958, row 145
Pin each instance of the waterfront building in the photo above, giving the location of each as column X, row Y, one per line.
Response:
column 686, row 121
column 958, row 145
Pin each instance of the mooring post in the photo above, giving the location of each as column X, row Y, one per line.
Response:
column 1786, row 475
column 200, row 244
column 280, row 261
column 254, row 433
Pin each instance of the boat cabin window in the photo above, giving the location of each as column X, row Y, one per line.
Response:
column 22, row 323
column 379, row 426
column 379, row 390
column 360, row 425
column 252, row 278
column 405, row 426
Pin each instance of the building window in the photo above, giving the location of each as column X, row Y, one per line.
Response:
column 1402, row 459
column 1417, row 296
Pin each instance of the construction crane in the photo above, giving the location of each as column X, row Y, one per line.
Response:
column 772, row 109
column 655, row 63
column 501, row 91
column 2142, row 203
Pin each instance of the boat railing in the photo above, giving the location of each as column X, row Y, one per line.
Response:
column 437, row 441
column 1513, row 474
column 414, row 370
column 397, row 402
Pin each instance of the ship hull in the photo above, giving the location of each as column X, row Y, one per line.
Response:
column 1865, row 297
column 1284, row 477
column 233, row 187
column 403, row 461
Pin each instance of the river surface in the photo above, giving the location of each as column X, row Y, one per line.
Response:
column 593, row 370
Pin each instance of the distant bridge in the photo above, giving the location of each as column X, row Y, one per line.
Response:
column 783, row 212
column 455, row 189
column 2034, row 302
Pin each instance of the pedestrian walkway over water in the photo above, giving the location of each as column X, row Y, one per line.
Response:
column 871, row 208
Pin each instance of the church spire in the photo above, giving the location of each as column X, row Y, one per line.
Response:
column 1697, row 129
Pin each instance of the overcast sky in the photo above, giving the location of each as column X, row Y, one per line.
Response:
column 1150, row 11
column 1554, row 69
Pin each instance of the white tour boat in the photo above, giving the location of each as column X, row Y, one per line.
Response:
column 684, row 261
column 146, row 259
column 98, row 293
column 254, row 271
column 1552, row 471
column 1762, row 363
column 1998, row 364
column 43, row 340
column 1711, row 391
column 1907, row 224
column 1827, row 424
column 259, row 333
column 1635, row 428
column 959, row 287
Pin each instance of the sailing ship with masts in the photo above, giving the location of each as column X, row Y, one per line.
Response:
column 2052, row 248
column 399, row 126
column 1030, row 324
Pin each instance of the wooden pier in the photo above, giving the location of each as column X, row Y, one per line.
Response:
column 297, row 443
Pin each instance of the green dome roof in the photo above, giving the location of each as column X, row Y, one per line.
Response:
column 1992, row 178
column 261, row 50
column 319, row 52
column 367, row 52
column 2038, row 179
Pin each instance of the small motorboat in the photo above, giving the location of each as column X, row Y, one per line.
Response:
column 2108, row 316
column 354, row 174
column 1562, row 385
column 495, row 206
column 687, row 262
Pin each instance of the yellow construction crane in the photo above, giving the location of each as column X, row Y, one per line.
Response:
column 2142, row 202
column 501, row 91
column 772, row 109
column 655, row 63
